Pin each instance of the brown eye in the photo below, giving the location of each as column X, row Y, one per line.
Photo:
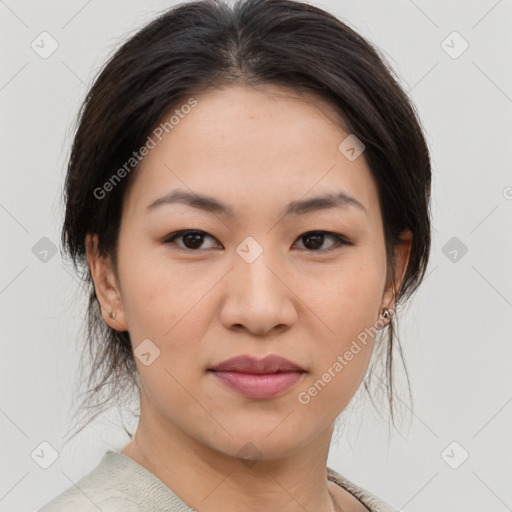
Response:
column 314, row 240
column 191, row 239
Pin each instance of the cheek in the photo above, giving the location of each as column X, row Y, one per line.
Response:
column 348, row 304
column 167, row 306
column 157, row 297
column 343, row 353
column 349, row 300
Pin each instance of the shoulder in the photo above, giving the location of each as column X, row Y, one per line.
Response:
column 116, row 484
column 97, row 490
column 372, row 502
column 77, row 502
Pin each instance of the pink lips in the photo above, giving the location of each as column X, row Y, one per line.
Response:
column 258, row 378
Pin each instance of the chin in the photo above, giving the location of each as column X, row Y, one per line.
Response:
column 253, row 443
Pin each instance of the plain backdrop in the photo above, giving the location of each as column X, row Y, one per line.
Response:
column 455, row 453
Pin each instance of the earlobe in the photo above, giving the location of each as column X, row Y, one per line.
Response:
column 105, row 285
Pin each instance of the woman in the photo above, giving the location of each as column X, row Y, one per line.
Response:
column 248, row 195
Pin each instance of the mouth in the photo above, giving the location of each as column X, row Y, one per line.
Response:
column 258, row 378
column 250, row 364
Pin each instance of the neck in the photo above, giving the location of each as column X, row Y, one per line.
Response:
column 212, row 481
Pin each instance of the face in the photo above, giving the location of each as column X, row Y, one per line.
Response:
column 265, row 271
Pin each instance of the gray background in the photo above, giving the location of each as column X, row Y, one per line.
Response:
column 455, row 333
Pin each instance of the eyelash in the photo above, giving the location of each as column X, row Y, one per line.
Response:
column 340, row 240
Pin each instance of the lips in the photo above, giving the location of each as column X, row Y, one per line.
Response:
column 258, row 378
column 248, row 364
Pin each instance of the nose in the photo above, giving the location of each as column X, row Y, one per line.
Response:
column 258, row 297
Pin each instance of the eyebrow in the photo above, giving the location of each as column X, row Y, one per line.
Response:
column 300, row 207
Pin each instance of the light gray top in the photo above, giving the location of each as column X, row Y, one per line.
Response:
column 119, row 484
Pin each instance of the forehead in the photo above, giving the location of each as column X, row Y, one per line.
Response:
column 253, row 147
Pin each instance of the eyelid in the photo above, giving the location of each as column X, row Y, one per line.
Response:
column 341, row 240
column 169, row 239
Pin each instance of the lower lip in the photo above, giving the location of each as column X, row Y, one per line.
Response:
column 268, row 385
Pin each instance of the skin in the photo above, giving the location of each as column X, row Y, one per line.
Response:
column 255, row 149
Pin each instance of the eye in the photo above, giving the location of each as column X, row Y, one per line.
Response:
column 313, row 240
column 192, row 239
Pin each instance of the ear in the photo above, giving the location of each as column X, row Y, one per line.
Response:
column 106, row 285
column 402, row 253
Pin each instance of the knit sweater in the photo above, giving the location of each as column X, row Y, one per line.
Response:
column 119, row 484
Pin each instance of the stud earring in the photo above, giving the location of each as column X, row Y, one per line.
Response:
column 386, row 314
column 113, row 315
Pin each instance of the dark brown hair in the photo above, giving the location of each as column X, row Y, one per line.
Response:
column 199, row 45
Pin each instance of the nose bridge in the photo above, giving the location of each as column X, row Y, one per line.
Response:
column 256, row 294
column 255, row 267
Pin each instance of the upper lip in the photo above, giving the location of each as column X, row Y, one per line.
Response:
column 250, row 364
